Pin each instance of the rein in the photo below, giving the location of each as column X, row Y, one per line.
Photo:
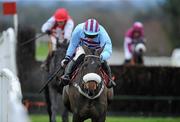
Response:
column 85, row 94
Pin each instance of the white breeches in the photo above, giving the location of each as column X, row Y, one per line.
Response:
column 79, row 52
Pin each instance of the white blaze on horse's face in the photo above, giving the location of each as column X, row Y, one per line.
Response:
column 92, row 62
column 92, row 77
column 140, row 48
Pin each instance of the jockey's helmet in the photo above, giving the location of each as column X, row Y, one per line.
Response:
column 137, row 26
column 91, row 28
column 61, row 15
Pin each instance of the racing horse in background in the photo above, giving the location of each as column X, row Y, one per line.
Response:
column 139, row 49
column 87, row 96
column 52, row 90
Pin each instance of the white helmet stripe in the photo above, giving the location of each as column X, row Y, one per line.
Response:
column 91, row 27
column 94, row 25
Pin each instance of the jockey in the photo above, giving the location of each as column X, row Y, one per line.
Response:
column 135, row 33
column 59, row 28
column 92, row 35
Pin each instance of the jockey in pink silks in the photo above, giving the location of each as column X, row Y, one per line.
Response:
column 135, row 33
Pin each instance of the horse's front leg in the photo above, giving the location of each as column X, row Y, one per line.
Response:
column 77, row 118
column 101, row 118
column 65, row 115
column 53, row 104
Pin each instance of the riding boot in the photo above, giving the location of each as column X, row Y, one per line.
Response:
column 66, row 77
column 107, row 69
column 45, row 64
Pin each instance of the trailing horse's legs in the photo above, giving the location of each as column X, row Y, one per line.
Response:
column 54, row 103
column 65, row 115
column 52, row 99
column 48, row 102
column 65, row 101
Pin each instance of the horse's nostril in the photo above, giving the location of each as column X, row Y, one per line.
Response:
column 141, row 50
column 90, row 92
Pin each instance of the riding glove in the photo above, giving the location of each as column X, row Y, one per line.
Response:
column 101, row 58
column 65, row 41
column 65, row 61
column 48, row 32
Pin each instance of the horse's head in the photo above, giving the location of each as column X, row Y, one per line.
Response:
column 91, row 81
column 139, row 50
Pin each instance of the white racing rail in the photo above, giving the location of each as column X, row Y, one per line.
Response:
column 8, row 50
column 11, row 107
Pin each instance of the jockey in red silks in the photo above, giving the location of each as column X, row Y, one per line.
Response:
column 59, row 28
column 135, row 33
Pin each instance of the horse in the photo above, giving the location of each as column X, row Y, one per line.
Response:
column 52, row 90
column 87, row 96
column 138, row 52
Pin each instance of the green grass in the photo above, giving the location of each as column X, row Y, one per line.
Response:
column 41, row 51
column 44, row 118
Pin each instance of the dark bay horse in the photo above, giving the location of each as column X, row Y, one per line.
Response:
column 87, row 95
column 52, row 90
column 138, row 52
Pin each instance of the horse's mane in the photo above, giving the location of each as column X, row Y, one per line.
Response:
column 91, row 51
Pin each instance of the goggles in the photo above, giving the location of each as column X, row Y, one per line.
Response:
column 90, row 36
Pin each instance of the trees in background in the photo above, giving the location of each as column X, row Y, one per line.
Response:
column 172, row 10
column 116, row 17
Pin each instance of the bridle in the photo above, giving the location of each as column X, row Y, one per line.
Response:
column 83, row 91
column 92, row 56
